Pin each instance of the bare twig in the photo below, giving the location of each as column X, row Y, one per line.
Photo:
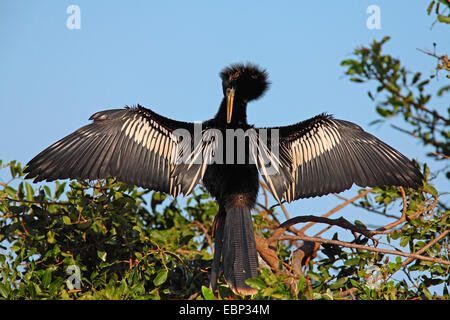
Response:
column 402, row 218
column 359, row 246
column 205, row 232
column 404, row 131
column 266, row 198
column 339, row 207
column 367, row 208
column 440, row 155
column 428, row 245
column 386, row 229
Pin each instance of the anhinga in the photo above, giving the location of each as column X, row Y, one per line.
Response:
column 316, row 157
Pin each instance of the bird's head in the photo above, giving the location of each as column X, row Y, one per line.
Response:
column 243, row 83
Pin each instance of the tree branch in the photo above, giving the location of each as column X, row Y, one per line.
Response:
column 359, row 246
column 341, row 222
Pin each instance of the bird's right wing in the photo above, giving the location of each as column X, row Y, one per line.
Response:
column 135, row 145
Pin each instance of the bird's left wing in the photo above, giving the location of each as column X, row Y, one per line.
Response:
column 136, row 145
column 323, row 155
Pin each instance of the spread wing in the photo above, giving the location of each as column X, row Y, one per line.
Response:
column 136, row 145
column 326, row 155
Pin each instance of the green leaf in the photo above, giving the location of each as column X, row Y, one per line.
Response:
column 427, row 294
column 10, row 191
column 383, row 112
column 314, row 276
column 360, row 224
column 158, row 235
column 66, row 220
column 416, row 78
column 352, row 262
column 385, row 39
column 430, row 189
column 338, row 283
column 354, row 79
column 349, row 62
column 30, row 191
column 51, row 236
column 316, row 296
column 4, row 290
column 101, row 255
column 442, row 90
column 256, row 283
column 443, row 19
column 15, row 248
column 404, row 241
column 355, row 283
column 430, row 7
column 160, row 278
column 47, row 278
column 207, row 293
column 328, row 295
column 47, row 191
column 12, row 168
column 301, row 284
column 59, row 189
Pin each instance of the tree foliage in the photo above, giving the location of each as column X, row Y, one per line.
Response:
column 126, row 248
column 106, row 240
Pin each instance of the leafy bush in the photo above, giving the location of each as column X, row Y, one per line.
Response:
column 120, row 247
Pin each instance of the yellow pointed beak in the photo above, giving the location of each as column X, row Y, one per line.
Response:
column 230, row 100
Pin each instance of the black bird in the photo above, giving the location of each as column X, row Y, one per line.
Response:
column 315, row 157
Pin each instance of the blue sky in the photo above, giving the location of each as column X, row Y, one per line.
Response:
column 166, row 55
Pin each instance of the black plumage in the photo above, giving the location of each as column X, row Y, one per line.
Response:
column 315, row 157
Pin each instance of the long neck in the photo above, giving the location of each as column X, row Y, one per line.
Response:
column 239, row 115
